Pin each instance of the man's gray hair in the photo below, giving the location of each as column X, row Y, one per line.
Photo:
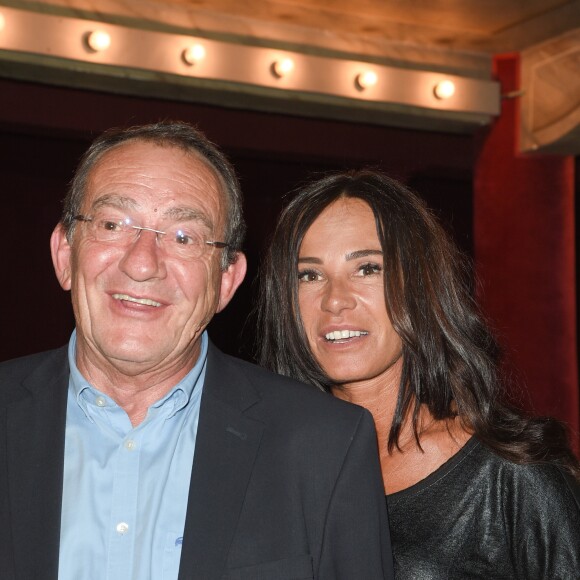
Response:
column 165, row 133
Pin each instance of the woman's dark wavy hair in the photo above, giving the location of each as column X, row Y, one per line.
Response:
column 450, row 357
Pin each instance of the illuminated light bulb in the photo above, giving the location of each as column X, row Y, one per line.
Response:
column 366, row 80
column 193, row 54
column 282, row 67
column 2, row 21
column 98, row 40
column 444, row 89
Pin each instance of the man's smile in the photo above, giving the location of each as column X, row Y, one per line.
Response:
column 144, row 301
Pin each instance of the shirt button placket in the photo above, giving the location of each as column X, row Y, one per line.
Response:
column 124, row 509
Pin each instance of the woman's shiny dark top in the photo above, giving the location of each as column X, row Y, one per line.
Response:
column 482, row 517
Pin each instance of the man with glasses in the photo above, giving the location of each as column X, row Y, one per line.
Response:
column 139, row 451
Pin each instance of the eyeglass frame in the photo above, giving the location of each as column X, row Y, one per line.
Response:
column 89, row 219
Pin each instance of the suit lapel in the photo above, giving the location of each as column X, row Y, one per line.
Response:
column 226, row 447
column 36, row 427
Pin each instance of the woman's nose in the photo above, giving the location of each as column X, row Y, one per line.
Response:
column 338, row 296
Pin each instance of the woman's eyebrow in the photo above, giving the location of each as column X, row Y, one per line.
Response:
column 362, row 254
column 350, row 256
column 308, row 260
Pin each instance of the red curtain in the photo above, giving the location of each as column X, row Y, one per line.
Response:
column 525, row 258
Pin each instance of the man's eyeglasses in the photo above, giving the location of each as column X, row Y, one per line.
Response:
column 179, row 240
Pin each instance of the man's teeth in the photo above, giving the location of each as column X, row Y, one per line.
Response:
column 341, row 334
column 145, row 301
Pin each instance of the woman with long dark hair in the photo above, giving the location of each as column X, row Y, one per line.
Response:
column 364, row 295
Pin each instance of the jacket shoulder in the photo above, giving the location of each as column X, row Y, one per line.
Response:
column 15, row 372
column 284, row 396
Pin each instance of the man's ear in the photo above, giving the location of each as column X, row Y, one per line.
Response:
column 231, row 279
column 61, row 256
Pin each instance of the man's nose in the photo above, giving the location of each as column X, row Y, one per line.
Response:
column 143, row 258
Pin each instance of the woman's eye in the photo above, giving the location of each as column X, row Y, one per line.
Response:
column 369, row 269
column 308, row 276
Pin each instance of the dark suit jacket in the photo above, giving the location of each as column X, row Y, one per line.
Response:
column 285, row 484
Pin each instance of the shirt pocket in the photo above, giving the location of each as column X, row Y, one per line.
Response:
column 297, row 568
column 172, row 555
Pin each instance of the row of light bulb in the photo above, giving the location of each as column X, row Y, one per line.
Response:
column 99, row 41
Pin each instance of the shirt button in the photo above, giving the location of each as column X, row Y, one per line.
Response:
column 130, row 445
column 122, row 528
column 100, row 401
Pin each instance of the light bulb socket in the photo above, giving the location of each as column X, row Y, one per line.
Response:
column 282, row 67
column 444, row 89
column 366, row 80
column 97, row 40
column 193, row 54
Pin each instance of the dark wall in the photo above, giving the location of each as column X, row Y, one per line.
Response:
column 44, row 130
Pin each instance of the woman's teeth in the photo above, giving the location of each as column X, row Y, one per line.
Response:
column 342, row 334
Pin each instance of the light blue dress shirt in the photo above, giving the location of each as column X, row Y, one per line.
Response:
column 125, row 489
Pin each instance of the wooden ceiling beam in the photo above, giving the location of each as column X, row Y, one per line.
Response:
column 57, row 49
column 550, row 106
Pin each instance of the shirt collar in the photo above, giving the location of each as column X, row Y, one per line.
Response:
column 176, row 399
